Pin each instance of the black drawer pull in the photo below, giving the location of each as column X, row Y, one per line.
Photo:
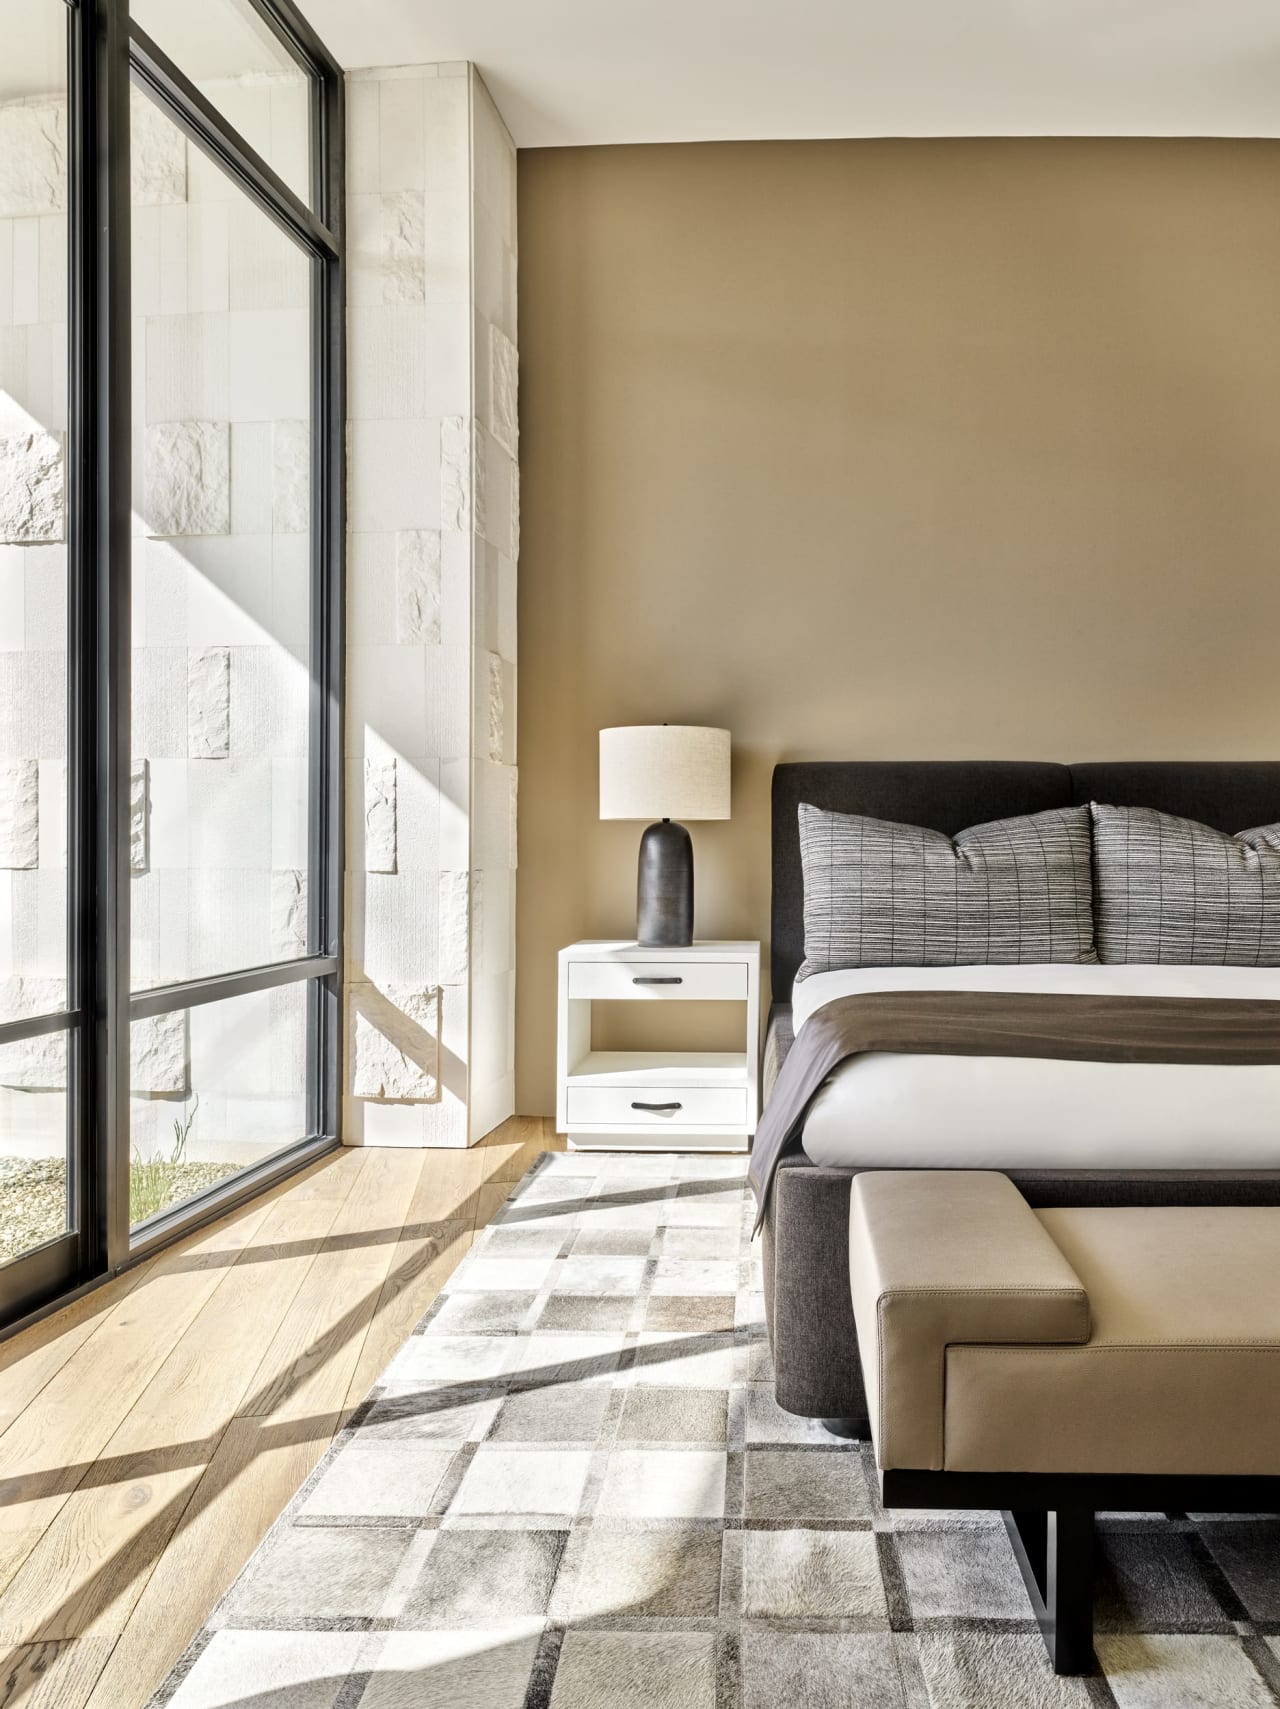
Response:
column 658, row 979
column 660, row 1109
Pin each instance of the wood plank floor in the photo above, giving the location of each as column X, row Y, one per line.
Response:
column 152, row 1432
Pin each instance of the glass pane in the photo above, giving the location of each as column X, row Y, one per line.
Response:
column 33, row 551
column 34, row 1205
column 241, row 66
column 33, row 615
column 221, row 579
column 214, row 1090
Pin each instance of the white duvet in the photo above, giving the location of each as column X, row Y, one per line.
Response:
column 1001, row 1112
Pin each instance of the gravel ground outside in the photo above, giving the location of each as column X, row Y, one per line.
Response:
column 33, row 1202
column 33, row 1195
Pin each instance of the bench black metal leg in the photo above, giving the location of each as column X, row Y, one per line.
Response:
column 1055, row 1552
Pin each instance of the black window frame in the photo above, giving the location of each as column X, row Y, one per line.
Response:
column 107, row 53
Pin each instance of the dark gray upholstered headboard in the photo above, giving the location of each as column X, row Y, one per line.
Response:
column 948, row 795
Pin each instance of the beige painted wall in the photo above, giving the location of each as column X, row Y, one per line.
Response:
column 877, row 450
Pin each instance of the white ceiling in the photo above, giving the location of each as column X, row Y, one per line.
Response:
column 612, row 71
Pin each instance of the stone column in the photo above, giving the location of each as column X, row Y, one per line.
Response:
column 433, row 508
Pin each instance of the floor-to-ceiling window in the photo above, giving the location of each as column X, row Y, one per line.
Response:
column 170, row 620
column 39, row 1207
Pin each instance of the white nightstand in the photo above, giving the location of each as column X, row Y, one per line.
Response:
column 641, row 1100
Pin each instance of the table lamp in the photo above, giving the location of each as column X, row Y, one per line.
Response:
column 664, row 772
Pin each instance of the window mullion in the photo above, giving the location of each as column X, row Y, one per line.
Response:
column 179, row 98
column 107, row 1034
column 218, row 987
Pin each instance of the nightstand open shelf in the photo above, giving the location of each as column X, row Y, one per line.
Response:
column 656, row 1100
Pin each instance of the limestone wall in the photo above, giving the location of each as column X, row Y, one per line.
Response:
column 431, row 774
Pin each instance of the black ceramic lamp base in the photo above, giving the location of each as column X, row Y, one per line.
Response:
column 664, row 888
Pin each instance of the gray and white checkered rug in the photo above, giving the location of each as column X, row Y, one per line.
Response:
column 572, row 1489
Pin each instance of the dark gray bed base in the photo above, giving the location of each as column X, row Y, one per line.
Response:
column 806, row 1228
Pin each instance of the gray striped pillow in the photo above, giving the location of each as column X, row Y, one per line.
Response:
column 1173, row 890
column 878, row 894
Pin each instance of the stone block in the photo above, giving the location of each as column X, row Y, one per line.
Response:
column 397, row 1043
column 455, row 813
column 455, row 926
column 494, row 815
column 404, row 247
column 33, row 158
column 391, row 475
column 19, row 814
column 158, row 1054
column 493, row 160
column 252, row 457
column 157, row 154
column 387, row 695
column 493, row 691
column 53, row 815
column 288, row 913
column 209, row 704
column 455, row 473
column 394, row 927
column 495, row 520
column 291, row 477
column 32, row 509
column 226, row 924
column 495, row 602
column 229, row 819
column 270, row 703
column 458, row 612
column 418, row 817
column 363, row 141
column 503, row 368
column 451, row 691
column 13, row 589
column 380, row 816
column 33, row 1064
column 288, row 812
column 401, row 146
column 479, row 921
column 268, row 365
column 480, row 490
column 493, row 935
column 390, row 248
column 392, row 364
column 186, row 356
column 418, row 586
column 44, row 601
column 139, row 826
column 371, row 590
column 492, row 1027
column 160, row 702
column 261, row 275
column 188, row 478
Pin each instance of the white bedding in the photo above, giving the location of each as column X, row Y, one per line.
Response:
column 1000, row 1112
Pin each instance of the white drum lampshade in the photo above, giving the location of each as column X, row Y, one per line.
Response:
column 664, row 772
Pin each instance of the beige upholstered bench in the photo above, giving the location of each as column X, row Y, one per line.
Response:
column 1057, row 1363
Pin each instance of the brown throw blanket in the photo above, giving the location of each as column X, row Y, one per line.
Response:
column 1230, row 1032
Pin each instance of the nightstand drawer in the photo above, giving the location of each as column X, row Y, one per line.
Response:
column 713, row 981
column 678, row 1106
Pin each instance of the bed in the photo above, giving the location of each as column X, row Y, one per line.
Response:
column 1020, row 1116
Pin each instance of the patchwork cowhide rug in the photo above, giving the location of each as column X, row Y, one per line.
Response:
column 572, row 1489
